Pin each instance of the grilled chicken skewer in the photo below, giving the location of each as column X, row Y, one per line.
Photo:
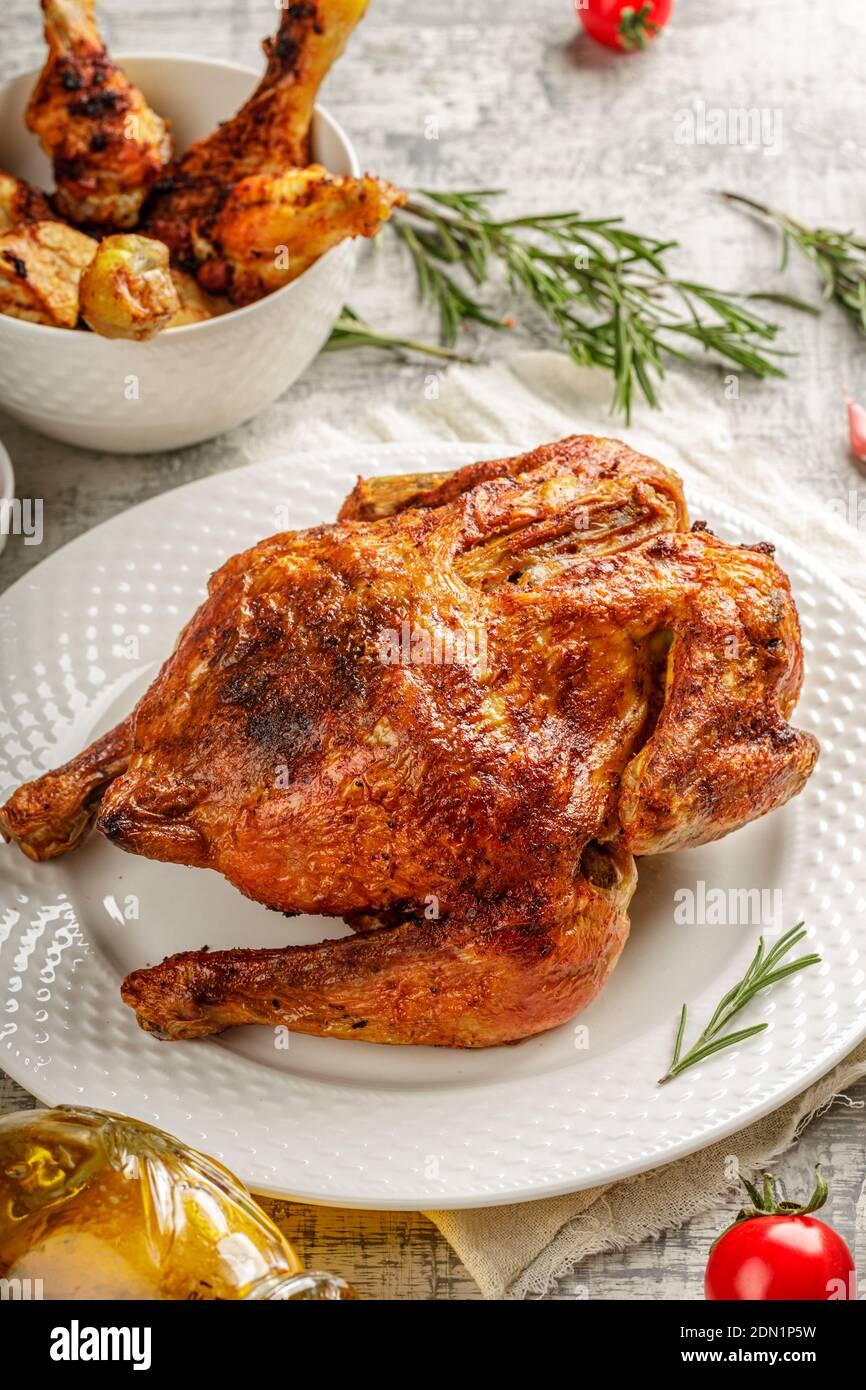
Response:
column 107, row 145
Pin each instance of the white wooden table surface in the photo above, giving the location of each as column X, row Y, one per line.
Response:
column 519, row 100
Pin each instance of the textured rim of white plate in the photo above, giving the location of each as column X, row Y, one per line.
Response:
column 7, row 483
column 367, row 1146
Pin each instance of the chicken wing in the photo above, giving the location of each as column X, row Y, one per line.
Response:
column 107, row 145
column 127, row 290
column 272, row 228
column 271, row 132
column 326, row 735
column 41, row 264
column 55, row 814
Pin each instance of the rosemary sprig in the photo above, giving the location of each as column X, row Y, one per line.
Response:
column 350, row 331
column 605, row 288
column 839, row 257
column 764, row 971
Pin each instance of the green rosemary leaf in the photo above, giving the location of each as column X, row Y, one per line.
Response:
column 604, row 288
column 763, row 971
column 350, row 331
column 680, row 1031
column 839, row 257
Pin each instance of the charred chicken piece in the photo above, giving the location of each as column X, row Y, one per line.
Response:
column 127, row 290
column 194, row 305
column 326, row 736
column 41, row 264
column 272, row 228
column 107, row 145
column 268, row 136
column 22, row 202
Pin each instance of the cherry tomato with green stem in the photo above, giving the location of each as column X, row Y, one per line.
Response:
column 627, row 25
column 777, row 1250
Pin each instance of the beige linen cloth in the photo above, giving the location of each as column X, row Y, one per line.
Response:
column 515, row 1251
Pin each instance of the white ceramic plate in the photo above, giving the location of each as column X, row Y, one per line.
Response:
column 350, row 1122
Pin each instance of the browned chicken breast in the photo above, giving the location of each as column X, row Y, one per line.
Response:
column 41, row 264
column 270, row 133
column 450, row 718
column 106, row 144
column 272, row 228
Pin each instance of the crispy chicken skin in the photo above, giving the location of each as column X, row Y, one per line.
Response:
column 474, row 819
column 458, row 983
column 22, row 202
column 194, row 305
column 272, row 228
column 268, row 136
column 41, row 264
column 106, row 144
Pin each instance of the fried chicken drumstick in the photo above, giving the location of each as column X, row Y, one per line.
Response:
column 106, row 145
column 202, row 207
column 243, row 211
column 474, row 819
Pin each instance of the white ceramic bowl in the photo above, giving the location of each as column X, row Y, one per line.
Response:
column 190, row 383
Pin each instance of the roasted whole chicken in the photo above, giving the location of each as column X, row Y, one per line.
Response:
column 451, row 718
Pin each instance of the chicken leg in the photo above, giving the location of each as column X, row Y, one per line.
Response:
column 269, row 135
column 106, row 144
column 53, row 814
column 444, row 984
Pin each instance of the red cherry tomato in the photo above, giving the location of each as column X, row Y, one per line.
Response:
column 624, row 24
column 772, row 1254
